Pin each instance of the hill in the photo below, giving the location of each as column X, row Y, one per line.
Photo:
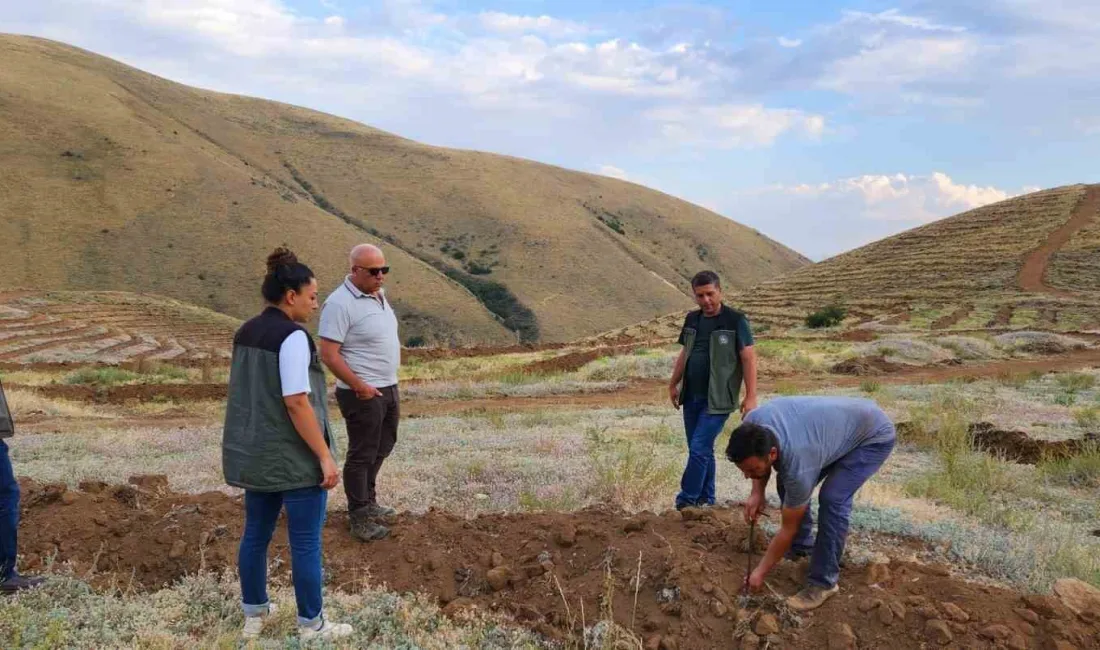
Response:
column 39, row 328
column 117, row 179
column 1030, row 261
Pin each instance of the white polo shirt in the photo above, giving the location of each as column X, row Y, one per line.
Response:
column 366, row 327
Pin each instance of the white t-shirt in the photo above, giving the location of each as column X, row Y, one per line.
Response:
column 294, row 364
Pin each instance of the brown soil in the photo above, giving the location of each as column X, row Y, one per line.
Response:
column 950, row 320
column 1019, row 447
column 855, row 336
column 123, row 394
column 873, row 365
column 570, row 362
column 898, row 319
column 61, row 340
column 1032, row 274
column 690, row 566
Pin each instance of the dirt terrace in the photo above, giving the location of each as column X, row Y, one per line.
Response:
column 552, row 572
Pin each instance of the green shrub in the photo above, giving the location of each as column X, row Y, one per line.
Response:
column 1068, row 398
column 1081, row 470
column 108, row 376
column 829, row 316
column 1087, row 418
column 415, row 341
column 1076, row 382
column 870, row 386
column 626, row 474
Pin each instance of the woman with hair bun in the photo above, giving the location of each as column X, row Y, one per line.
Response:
column 277, row 445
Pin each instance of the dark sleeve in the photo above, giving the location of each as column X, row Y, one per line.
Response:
column 682, row 328
column 744, row 333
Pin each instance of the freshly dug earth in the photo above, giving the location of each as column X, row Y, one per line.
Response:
column 688, row 567
column 865, row 366
column 1019, row 447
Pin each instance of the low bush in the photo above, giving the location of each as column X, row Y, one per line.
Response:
column 829, row 316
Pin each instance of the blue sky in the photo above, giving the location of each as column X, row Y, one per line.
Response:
column 824, row 124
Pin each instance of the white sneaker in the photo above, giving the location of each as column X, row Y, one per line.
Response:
column 253, row 625
column 327, row 630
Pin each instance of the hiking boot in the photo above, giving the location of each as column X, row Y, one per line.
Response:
column 811, row 597
column 374, row 511
column 253, row 625
column 796, row 554
column 19, row 583
column 367, row 530
column 324, row 630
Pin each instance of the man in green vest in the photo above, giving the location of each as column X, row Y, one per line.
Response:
column 10, row 580
column 717, row 357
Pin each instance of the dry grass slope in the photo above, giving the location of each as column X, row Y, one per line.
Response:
column 119, row 179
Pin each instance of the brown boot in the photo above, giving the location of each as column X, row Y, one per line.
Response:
column 811, row 598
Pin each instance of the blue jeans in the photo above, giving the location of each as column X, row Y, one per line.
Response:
column 305, row 516
column 9, row 515
column 842, row 480
column 702, row 429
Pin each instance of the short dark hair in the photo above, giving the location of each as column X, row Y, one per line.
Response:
column 703, row 278
column 750, row 439
column 284, row 273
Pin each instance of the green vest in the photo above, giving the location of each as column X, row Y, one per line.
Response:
column 726, row 373
column 7, row 424
column 261, row 449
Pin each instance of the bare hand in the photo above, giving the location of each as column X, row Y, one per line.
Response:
column 331, row 473
column 753, row 507
column 755, row 581
column 748, row 405
column 365, row 391
column 674, row 395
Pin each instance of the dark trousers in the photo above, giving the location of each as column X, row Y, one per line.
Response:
column 842, row 480
column 372, row 433
column 9, row 514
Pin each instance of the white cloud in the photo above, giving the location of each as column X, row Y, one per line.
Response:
column 496, row 21
column 335, row 21
column 734, row 125
column 789, row 42
column 828, row 218
column 895, row 17
column 889, row 65
column 613, row 172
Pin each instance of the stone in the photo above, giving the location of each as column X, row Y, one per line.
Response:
column 868, row 604
column 720, row 609
column 669, row 643
column 497, row 559
column 634, row 525
column 567, row 536
column 995, row 633
column 499, row 578
column 68, row 498
column 898, row 609
column 1045, row 606
column 877, row 573
column 773, row 641
column 653, row 642
column 885, row 615
column 1016, row 642
column 955, row 613
column 750, row 641
column 1078, row 596
column 708, row 588
column 1027, row 615
column 928, row 611
column 938, row 631
column 841, row 637
column 178, row 549
column 766, row 624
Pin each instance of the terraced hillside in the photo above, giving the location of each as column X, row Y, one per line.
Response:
column 48, row 328
column 1030, row 261
column 116, row 179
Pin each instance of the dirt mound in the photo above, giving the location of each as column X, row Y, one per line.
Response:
column 684, row 571
column 865, row 366
column 1019, row 447
column 570, row 362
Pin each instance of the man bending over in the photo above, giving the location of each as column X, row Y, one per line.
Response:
column 839, row 440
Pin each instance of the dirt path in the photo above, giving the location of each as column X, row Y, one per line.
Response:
column 672, row 578
column 1032, row 274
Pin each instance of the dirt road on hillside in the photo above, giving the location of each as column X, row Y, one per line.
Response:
column 1032, row 277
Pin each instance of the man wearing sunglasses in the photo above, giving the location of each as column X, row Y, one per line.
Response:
column 360, row 345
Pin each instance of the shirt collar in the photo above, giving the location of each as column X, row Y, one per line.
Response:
column 350, row 286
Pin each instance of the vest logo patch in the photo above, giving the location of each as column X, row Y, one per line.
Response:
column 723, row 339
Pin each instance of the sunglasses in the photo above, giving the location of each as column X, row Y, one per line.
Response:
column 381, row 270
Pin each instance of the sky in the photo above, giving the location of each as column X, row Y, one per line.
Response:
column 824, row 124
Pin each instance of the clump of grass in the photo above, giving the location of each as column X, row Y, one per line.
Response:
column 1065, row 399
column 625, row 473
column 105, row 376
column 943, row 423
column 870, row 386
column 1076, row 381
column 1018, row 379
column 1087, row 417
column 1081, row 470
column 565, row 499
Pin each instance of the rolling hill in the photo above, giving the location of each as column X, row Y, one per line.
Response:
column 116, row 179
column 1030, row 261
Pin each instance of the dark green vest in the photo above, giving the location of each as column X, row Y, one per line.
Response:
column 726, row 373
column 261, row 449
column 7, row 424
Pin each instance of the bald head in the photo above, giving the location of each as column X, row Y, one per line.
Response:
column 368, row 268
column 366, row 255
